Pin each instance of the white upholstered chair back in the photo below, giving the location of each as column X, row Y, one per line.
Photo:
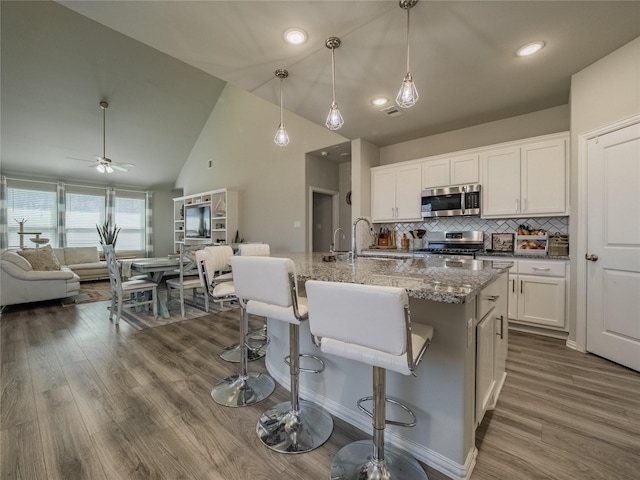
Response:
column 263, row 279
column 365, row 315
column 254, row 249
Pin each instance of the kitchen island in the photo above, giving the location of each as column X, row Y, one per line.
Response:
column 461, row 373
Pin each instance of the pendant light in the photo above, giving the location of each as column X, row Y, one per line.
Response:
column 282, row 138
column 408, row 95
column 334, row 119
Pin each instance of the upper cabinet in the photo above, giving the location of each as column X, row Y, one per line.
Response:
column 395, row 193
column 525, row 180
column 443, row 172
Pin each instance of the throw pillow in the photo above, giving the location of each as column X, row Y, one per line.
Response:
column 41, row 259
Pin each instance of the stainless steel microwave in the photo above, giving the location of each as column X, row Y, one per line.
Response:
column 451, row 201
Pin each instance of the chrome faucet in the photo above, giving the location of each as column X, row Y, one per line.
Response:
column 354, row 248
column 333, row 245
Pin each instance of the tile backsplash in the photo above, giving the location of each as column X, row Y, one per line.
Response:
column 488, row 226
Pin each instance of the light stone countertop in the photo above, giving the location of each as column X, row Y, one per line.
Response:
column 440, row 280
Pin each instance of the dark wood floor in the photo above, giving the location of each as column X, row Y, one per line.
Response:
column 82, row 399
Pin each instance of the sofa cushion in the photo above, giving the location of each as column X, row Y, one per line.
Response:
column 15, row 259
column 41, row 259
column 76, row 255
column 59, row 253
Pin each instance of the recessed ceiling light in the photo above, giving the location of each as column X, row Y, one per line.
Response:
column 530, row 49
column 379, row 101
column 295, row 36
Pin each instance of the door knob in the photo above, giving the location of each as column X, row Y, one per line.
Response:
column 592, row 258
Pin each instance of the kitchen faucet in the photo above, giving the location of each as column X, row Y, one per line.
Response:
column 354, row 248
column 333, row 245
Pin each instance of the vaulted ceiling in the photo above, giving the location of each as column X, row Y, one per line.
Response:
column 162, row 66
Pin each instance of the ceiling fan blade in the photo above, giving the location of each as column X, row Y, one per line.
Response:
column 81, row 159
column 118, row 167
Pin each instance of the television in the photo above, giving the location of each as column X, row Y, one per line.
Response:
column 197, row 221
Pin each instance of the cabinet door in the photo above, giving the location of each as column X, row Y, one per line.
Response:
column 544, row 178
column 541, row 300
column 435, row 173
column 500, row 182
column 513, row 297
column 485, row 333
column 464, row 170
column 408, row 193
column 383, row 195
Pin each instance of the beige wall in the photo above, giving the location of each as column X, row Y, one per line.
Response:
column 238, row 137
column 603, row 93
column 344, row 242
column 162, row 222
column 551, row 120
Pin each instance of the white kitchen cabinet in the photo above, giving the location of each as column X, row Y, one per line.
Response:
column 491, row 345
column 395, row 193
column 525, row 180
column 537, row 293
column 443, row 172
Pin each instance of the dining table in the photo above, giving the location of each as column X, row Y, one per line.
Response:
column 155, row 268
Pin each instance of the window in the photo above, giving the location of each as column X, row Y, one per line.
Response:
column 83, row 212
column 130, row 216
column 37, row 206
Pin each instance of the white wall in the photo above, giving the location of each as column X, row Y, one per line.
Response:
column 238, row 137
column 162, row 202
column 344, row 243
column 603, row 93
column 364, row 155
column 551, row 120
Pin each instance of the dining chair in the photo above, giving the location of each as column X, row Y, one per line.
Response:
column 131, row 288
column 210, row 261
column 188, row 278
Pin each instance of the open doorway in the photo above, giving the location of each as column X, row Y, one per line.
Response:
column 323, row 215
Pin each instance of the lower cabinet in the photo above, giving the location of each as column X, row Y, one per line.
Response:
column 491, row 345
column 537, row 293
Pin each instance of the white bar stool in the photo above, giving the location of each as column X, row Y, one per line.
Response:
column 232, row 352
column 244, row 388
column 371, row 325
column 268, row 285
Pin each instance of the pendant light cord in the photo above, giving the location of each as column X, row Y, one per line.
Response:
column 333, row 74
column 281, row 117
column 408, row 27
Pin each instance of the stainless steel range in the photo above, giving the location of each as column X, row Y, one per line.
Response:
column 452, row 245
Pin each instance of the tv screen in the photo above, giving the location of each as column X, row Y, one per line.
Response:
column 197, row 221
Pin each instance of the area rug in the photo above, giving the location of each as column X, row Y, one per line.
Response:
column 95, row 291
column 144, row 319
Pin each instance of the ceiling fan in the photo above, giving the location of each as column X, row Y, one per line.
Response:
column 104, row 163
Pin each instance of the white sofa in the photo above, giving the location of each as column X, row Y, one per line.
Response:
column 20, row 283
column 84, row 261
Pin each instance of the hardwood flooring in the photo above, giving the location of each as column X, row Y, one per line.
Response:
column 83, row 399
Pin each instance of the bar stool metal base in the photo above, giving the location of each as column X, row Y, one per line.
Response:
column 285, row 431
column 353, row 462
column 232, row 353
column 238, row 391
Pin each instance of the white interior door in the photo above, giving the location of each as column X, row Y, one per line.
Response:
column 613, row 245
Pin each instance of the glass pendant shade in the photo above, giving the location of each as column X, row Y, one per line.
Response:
column 282, row 138
column 101, row 168
column 334, row 119
column 408, row 95
column 108, row 169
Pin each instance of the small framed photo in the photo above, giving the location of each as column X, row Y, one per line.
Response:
column 502, row 242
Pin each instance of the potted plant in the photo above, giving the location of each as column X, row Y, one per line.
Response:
column 108, row 232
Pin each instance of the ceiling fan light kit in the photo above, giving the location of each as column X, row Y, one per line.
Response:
column 334, row 119
column 408, row 94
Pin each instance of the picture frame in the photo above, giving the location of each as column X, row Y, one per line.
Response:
column 502, row 242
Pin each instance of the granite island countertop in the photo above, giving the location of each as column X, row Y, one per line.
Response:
column 436, row 279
